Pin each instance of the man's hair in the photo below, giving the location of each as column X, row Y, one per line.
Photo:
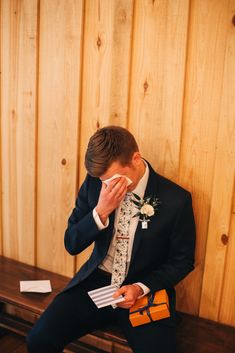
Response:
column 109, row 144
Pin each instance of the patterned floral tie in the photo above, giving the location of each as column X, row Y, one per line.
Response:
column 122, row 241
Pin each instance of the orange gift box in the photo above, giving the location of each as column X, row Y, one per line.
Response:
column 150, row 308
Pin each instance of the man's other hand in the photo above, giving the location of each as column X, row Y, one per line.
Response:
column 111, row 197
column 130, row 292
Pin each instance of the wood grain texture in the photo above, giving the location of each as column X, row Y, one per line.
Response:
column 18, row 122
column 121, row 58
column 157, row 81
column 106, row 61
column 202, row 98
column 227, row 304
column 165, row 70
column 107, row 39
column 59, row 77
column 217, row 254
column 12, row 272
column 97, row 66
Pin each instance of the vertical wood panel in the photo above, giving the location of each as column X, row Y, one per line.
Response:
column 59, row 78
column 107, row 39
column 18, row 89
column 97, row 64
column 203, row 87
column 227, row 305
column 121, row 53
column 223, row 184
column 157, row 81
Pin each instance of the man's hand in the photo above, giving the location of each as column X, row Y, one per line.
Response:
column 130, row 292
column 111, row 197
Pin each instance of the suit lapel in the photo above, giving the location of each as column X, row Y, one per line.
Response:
column 151, row 189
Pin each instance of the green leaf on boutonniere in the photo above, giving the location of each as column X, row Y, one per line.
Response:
column 135, row 202
column 136, row 196
column 137, row 214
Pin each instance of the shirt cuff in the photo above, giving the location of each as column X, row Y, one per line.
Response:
column 98, row 222
column 145, row 289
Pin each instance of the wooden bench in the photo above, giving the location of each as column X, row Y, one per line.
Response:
column 19, row 311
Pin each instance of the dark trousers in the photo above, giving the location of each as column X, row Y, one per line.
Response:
column 72, row 314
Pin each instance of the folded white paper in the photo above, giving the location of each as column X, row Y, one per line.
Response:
column 115, row 176
column 104, row 296
column 41, row 286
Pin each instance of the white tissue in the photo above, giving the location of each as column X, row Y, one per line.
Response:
column 115, row 176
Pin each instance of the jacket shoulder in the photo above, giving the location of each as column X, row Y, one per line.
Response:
column 172, row 187
column 173, row 195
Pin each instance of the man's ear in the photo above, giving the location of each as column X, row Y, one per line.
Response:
column 136, row 158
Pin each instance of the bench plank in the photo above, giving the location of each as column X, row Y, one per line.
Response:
column 12, row 272
column 194, row 334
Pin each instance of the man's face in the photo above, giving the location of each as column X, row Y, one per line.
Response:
column 131, row 171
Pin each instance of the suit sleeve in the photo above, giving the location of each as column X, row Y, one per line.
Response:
column 82, row 229
column 180, row 259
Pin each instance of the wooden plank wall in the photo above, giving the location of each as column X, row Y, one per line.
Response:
column 164, row 69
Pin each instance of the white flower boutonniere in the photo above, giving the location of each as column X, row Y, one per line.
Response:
column 147, row 208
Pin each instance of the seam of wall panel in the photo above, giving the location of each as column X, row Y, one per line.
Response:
column 80, row 99
column 36, row 134
column 80, row 95
column 186, row 60
column 130, row 64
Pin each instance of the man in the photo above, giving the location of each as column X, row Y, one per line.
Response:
column 139, row 255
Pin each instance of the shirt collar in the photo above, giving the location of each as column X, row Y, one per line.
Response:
column 141, row 186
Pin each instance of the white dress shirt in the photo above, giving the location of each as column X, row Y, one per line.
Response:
column 107, row 263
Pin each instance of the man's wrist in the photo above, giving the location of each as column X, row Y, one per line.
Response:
column 140, row 290
column 98, row 221
column 103, row 216
column 145, row 289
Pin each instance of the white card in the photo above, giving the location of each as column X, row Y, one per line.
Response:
column 104, row 296
column 41, row 286
column 115, row 176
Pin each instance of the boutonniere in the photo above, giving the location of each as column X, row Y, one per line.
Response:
column 147, row 207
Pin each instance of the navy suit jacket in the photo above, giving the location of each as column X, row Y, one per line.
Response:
column 162, row 255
